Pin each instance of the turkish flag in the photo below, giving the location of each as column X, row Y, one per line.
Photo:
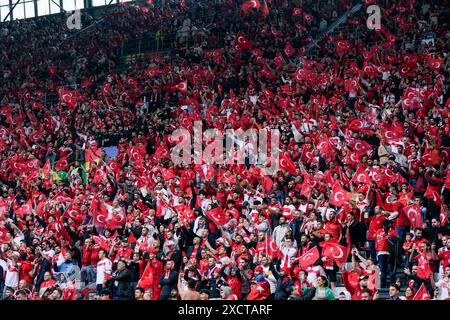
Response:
column 99, row 212
column 358, row 125
column 260, row 291
column 289, row 50
column 392, row 133
column 342, row 46
column 162, row 152
column 46, row 170
column 24, row 209
column 339, row 196
column 60, row 197
column 361, row 176
column 62, row 164
column 116, row 219
column 272, row 248
column 432, row 194
column 102, row 243
column 309, row 257
column 98, row 176
column 242, row 42
column 217, row 215
column 285, row 162
column 251, row 4
column 167, row 174
column 360, row 146
column 297, row 12
column 414, row 215
column 182, row 86
column 74, row 213
column 422, row 293
column 423, row 270
column 335, row 251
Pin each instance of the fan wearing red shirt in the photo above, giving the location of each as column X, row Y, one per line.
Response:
column 375, row 224
column 382, row 248
column 28, row 268
column 333, row 227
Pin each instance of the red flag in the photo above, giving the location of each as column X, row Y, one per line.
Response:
column 285, row 162
column 424, row 269
column 342, row 46
column 70, row 291
column 422, row 293
column 251, row 4
column 217, row 215
column 267, row 183
column 62, row 164
column 260, row 291
column 167, row 174
column 414, row 215
column 102, row 243
column 242, row 42
column 99, row 212
column 361, row 176
column 432, row 194
column 272, row 248
column 98, row 176
column 297, row 12
column 289, row 50
column 24, row 209
column 182, row 86
column 339, row 196
column 46, row 170
column 265, row 11
column 335, row 252
column 309, row 257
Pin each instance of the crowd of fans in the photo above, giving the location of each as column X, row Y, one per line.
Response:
column 364, row 129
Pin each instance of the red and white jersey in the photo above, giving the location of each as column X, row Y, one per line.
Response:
column 104, row 269
column 288, row 211
column 313, row 273
column 12, row 276
column 362, row 206
column 288, row 253
column 48, row 254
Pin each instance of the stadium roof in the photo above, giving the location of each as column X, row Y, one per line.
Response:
column 22, row 9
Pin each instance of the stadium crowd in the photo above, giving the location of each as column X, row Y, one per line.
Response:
column 361, row 196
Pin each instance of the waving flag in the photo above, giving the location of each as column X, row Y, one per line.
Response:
column 361, row 176
column 286, row 163
column 182, row 86
column 309, row 257
column 242, row 42
column 265, row 11
column 24, row 209
column 260, row 291
column 218, row 216
column 339, row 196
column 414, row 215
column 422, row 293
column 335, row 251
column 271, row 248
column 251, row 4
column 424, row 269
